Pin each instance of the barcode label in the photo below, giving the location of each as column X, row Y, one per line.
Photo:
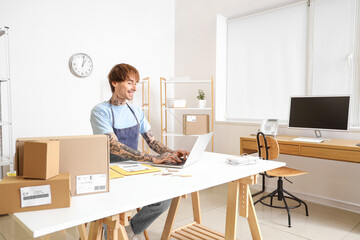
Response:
column 35, row 196
column 90, row 183
column 99, row 188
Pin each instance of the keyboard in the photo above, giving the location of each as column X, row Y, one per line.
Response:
column 308, row 139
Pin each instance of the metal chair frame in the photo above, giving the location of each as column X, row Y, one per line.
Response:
column 279, row 191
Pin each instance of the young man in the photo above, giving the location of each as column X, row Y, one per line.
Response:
column 123, row 123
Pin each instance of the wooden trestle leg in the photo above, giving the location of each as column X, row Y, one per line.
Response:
column 239, row 200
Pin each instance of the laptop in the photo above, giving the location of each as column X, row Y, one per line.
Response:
column 195, row 154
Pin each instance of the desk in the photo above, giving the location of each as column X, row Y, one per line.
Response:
column 334, row 149
column 131, row 192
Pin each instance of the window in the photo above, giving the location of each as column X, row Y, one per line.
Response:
column 299, row 49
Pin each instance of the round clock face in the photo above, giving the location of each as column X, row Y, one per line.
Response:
column 80, row 65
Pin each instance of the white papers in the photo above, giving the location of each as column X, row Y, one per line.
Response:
column 90, row 183
column 133, row 167
column 242, row 160
column 35, row 196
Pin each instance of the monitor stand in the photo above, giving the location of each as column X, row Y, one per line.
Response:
column 318, row 133
column 317, row 139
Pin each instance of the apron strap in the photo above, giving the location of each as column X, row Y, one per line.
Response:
column 112, row 114
column 133, row 114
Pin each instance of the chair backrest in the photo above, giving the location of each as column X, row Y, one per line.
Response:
column 268, row 147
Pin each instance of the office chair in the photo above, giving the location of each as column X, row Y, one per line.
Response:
column 268, row 149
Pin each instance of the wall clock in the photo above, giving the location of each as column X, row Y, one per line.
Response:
column 80, row 65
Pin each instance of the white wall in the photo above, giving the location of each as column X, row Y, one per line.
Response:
column 328, row 182
column 47, row 99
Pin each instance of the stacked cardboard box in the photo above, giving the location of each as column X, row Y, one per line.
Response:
column 50, row 168
column 85, row 157
column 18, row 194
column 41, row 159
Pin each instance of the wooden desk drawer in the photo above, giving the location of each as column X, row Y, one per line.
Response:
column 330, row 153
column 247, row 146
column 251, row 145
column 289, row 149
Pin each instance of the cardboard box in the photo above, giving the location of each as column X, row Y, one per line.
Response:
column 18, row 194
column 41, row 159
column 85, row 157
column 195, row 124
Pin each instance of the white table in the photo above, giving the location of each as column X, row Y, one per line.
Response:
column 131, row 192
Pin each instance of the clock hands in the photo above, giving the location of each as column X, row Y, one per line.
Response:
column 83, row 61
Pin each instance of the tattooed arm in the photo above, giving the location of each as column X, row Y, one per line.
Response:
column 127, row 153
column 154, row 144
column 160, row 148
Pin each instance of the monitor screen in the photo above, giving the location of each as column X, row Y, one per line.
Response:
column 328, row 112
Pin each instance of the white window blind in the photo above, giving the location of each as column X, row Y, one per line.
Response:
column 266, row 63
column 334, row 34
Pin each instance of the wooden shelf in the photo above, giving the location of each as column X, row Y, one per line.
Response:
column 5, row 123
column 169, row 134
column 187, row 81
column 196, row 231
column 145, row 106
column 164, row 110
column 167, row 108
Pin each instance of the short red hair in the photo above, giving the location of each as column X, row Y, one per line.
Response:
column 121, row 72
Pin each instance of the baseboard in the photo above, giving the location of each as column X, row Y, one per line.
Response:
column 318, row 199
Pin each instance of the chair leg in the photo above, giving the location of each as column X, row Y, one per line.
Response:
column 306, row 207
column 262, row 198
column 273, row 194
column 288, row 212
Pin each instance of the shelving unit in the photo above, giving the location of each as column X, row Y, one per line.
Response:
column 145, row 104
column 165, row 109
column 6, row 148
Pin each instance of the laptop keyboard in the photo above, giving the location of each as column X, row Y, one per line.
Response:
column 174, row 164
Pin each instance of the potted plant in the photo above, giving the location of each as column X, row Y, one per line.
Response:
column 201, row 99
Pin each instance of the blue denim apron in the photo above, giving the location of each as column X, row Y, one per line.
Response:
column 128, row 136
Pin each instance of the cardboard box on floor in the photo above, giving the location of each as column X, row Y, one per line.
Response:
column 85, row 157
column 16, row 196
column 195, row 124
column 41, row 159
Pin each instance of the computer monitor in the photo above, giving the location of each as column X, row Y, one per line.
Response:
column 320, row 112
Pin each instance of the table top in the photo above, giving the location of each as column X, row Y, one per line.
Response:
column 131, row 192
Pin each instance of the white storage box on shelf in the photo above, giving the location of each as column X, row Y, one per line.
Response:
column 176, row 103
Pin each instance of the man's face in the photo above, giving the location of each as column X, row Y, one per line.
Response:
column 125, row 90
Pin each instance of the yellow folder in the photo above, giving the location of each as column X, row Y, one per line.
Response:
column 114, row 174
column 126, row 173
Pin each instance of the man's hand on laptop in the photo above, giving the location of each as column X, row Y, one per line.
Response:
column 182, row 154
column 168, row 156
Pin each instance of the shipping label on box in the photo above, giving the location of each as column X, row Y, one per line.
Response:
column 90, row 183
column 190, row 118
column 35, row 196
